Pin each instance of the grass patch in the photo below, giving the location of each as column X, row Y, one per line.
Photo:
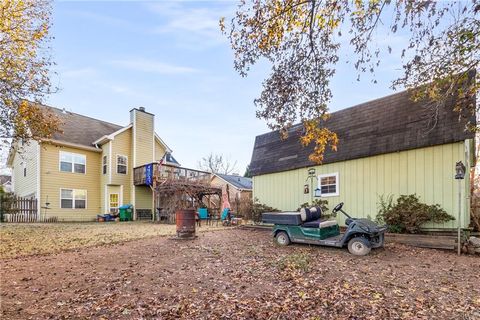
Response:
column 295, row 262
column 30, row 239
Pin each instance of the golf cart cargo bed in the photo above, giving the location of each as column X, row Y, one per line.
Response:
column 286, row 218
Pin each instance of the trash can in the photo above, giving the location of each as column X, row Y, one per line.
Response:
column 126, row 212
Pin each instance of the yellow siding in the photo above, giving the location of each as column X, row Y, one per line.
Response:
column 26, row 156
column 159, row 151
column 121, row 145
column 52, row 180
column 144, row 132
column 428, row 172
column 143, row 198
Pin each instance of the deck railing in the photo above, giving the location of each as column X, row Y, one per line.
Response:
column 163, row 172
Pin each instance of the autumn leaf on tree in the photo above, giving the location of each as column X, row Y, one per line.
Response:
column 302, row 39
column 24, row 70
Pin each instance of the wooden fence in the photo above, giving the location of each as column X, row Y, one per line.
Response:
column 18, row 209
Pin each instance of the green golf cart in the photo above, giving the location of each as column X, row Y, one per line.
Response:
column 308, row 226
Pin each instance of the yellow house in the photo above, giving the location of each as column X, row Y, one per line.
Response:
column 88, row 168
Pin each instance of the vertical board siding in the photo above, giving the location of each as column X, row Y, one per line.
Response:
column 143, row 197
column 427, row 172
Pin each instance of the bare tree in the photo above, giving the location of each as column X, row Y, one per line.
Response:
column 217, row 163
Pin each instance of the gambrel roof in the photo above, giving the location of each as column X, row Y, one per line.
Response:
column 389, row 124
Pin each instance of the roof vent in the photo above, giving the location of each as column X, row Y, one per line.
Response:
column 141, row 109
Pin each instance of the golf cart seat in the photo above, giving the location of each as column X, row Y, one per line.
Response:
column 319, row 223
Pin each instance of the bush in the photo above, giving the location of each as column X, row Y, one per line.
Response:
column 6, row 200
column 258, row 209
column 408, row 214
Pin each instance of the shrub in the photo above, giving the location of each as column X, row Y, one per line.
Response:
column 408, row 214
column 6, row 200
column 259, row 208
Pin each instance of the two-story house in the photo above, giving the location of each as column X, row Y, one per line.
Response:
column 87, row 169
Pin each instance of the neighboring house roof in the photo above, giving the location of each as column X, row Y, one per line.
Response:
column 80, row 129
column 4, row 179
column 169, row 159
column 237, row 181
column 389, row 124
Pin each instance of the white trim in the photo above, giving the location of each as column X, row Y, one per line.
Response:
column 110, row 162
column 73, row 162
column 167, row 149
column 112, row 135
column 39, row 207
column 121, row 195
column 105, row 203
column 13, row 179
column 116, row 163
column 337, row 184
column 73, row 199
column 73, row 145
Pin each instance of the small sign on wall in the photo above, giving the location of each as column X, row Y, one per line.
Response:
column 306, row 190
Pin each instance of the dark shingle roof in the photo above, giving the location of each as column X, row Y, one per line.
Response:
column 390, row 124
column 237, row 181
column 81, row 129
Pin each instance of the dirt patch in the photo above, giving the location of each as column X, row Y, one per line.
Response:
column 238, row 273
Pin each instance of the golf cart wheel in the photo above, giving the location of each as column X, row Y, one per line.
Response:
column 359, row 246
column 282, row 238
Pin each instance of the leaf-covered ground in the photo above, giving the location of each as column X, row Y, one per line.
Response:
column 239, row 274
column 28, row 239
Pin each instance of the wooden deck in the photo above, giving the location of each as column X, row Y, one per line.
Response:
column 162, row 173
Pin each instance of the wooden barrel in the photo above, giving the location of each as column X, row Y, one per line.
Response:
column 185, row 223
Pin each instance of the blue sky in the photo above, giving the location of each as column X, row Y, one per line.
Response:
column 171, row 58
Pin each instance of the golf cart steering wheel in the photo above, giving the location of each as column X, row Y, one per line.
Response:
column 338, row 207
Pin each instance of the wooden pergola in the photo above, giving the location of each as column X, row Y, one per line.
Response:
column 179, row 188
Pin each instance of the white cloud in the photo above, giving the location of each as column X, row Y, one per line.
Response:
column 152, row 66
column 195, row 27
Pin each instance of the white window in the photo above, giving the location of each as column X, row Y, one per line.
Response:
column 72, row 162
column 73, row 199
column 104, row 165
column 328, row 184
column 122, row 162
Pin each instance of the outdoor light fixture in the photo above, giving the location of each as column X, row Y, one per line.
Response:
column 460, row 170
column 318, row 193
column 459, row 175
column 311, row 171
